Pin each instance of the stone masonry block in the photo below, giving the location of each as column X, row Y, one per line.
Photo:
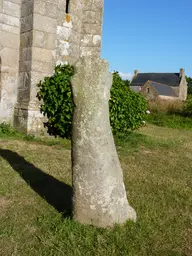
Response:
column 51, row 41
column 36, row 77
column 45, row 24
column 11, row 8
column 27, row 8
column 1, row 5
column 75, row 37
column 46, row 8
column 39, row 39
column 26, row 39
column 24, row 80
column 90, row 51
column 23, row 95
column 93, row 17
column 10, row 29
column 93, row 29
column 18, row 2
column 94, row 5
column 9, row 40
column 51, row 10
column 25, row 54
column 43, row 55
column 9, row 20
column 44, row 67
column 9, row 57
column 91, row 40
column 44, row 40
column 24, row 66
column 39, row 7
column 76, row 9
column 27, row 23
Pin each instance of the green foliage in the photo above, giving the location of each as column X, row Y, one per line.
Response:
column 189, row 90
column 187, row 110
column 189, row 82
column 127, row 108
column 127, row 82
column 6, row 129
column 57, row 105
column 178, row 121
column 172, row 114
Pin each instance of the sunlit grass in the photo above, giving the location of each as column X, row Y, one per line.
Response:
column 35, row 185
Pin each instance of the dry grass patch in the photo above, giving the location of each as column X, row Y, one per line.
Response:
column 165, row 106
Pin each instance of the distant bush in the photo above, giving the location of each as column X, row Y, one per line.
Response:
column 187, row 110
column 189, row 90
column 173, row 114
column 127, row 82
column 189, row 82
column 127, row 108
column 165, row 106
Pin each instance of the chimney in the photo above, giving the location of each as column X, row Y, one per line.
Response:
column 182, row 72
column 136, row 72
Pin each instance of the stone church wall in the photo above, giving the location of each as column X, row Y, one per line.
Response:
column 36, row 35
column 9, row 56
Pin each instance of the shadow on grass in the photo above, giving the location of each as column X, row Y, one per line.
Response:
column 55, row 192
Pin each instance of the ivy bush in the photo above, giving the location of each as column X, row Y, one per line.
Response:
column 127, row 108
column 57, row 105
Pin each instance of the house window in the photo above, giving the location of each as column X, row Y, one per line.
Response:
column 147, row 90
column 67, row 6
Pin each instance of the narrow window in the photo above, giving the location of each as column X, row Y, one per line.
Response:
column 148, row 90
column 67, row 6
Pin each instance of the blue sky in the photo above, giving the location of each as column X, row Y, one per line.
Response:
column 150, row 35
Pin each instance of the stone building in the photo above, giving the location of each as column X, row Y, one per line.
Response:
column 152, row 90
column 172, row 86
column 36, row 35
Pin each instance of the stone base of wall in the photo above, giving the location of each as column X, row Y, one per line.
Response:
column 6, row 113
column 29, row 120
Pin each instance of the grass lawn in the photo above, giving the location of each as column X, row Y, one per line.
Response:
column 35, row 186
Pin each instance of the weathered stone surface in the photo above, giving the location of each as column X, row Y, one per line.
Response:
column 35, row 120
column 9, row 57
column 9, row 40
column 11, row 8
column 99, row 193
column 8, row 28
column 9, row 20
column 36, row 35
column 44, row 23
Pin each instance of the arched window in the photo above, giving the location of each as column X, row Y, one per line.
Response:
column 67, row 6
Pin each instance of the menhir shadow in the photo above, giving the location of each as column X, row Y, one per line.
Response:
column 55, row 192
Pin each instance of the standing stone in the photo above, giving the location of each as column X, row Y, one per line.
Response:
column 99, row 196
